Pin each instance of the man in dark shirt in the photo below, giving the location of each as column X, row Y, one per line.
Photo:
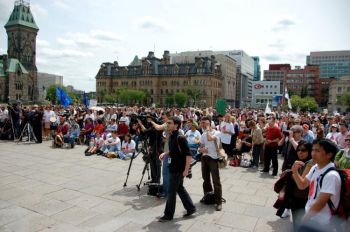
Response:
column 179, row 164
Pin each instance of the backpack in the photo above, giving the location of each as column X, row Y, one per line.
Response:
column 209, row 199
column 343, row 210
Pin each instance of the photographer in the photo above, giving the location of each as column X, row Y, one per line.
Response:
column 291, row 139
column 15, row 113
column 35, row 118
column 155, row 144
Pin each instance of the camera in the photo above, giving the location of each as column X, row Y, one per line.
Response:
column 286, row 132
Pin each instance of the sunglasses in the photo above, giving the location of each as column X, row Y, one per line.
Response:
column 302, row 150
column 347, row 140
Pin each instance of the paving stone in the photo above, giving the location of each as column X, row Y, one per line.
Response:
column 238, row 221
column 74, row 215
column 86, row 201
column 49, row 190
column 50, row 207
column 11, row 214
column 64, row 195
column 30, row 222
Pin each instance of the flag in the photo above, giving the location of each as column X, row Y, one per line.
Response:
column 286, row 96
column 86, row 100
column 63, row 97
column 267, row 109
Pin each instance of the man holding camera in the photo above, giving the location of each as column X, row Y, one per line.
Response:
column 15, row 113
column 179, row 164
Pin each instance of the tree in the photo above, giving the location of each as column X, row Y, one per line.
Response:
column 109, row 98
column 180, row 99
column 169, row 100
column 51, row 93
column 193, row 94
column 130, row 96
column 304, row 104
column 344, row 99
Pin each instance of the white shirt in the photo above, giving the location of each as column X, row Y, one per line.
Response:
column 331, row 184
column 128, row 146
column 332, row 136
column 4, row 114
column 226, row 126
column 192, row 135
column 48, row 115
column 210, row 144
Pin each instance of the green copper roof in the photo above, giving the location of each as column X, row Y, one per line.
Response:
column 21, row 15
column 14, row 64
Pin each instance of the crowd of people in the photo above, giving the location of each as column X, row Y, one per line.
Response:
column 309, row 143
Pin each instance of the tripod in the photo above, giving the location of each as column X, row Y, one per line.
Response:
column 29, row 130
column 143, row 151
column 144, row 171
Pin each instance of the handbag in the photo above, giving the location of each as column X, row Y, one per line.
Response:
column 222, row 157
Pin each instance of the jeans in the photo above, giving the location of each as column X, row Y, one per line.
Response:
column 271, row 154
column 210, row 167
column 194, row 150
column 256, row 154
column 176, row 186
column 165, row 173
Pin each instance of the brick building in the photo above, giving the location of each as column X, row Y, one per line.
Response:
column 160, row 78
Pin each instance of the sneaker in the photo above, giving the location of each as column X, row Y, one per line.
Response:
column 218, row 207
column 189, row 213
column 286, row 213
column 164, row 219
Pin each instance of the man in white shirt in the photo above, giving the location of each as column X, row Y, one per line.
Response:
column 324, row 185
column 209, row 161
column 4, row 114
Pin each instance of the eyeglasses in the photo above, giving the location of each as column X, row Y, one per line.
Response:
column 347, row 140
column 169, row 123
column 302, row 150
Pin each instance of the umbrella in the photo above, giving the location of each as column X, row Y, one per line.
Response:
column 97, row 108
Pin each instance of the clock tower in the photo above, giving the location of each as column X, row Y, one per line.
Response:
column 21, row 32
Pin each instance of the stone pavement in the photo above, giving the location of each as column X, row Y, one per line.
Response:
column 45, row 189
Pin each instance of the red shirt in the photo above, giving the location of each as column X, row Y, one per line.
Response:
column 273, row 133
column 123, row 129
column 99, row 128
column 62, row 128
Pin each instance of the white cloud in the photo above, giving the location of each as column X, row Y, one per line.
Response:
column 61, row 4
column 153, row 24
column 38, row 10
column 93, row 39
column 64, row 53
column 42, row 43
column 5, row 10
column 279, row 44
column 284, row 24
column 105, row 35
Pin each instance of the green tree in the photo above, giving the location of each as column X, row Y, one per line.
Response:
column 304, row 104
column 344, row 99
column 51, row 93
column 130, row 96
column 109, row 98
column 169, row 100
column 180, row 99
column 193, row 94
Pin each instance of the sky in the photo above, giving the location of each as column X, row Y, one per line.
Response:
column 76, row 37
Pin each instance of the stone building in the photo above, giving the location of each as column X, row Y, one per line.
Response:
column 18, row 71
column 160, row 78
column 338, row 87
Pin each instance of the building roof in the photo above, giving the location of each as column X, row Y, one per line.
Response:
column 13, row 65
column 21, row 15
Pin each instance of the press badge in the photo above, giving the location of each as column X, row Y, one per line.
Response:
column 169, row 160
